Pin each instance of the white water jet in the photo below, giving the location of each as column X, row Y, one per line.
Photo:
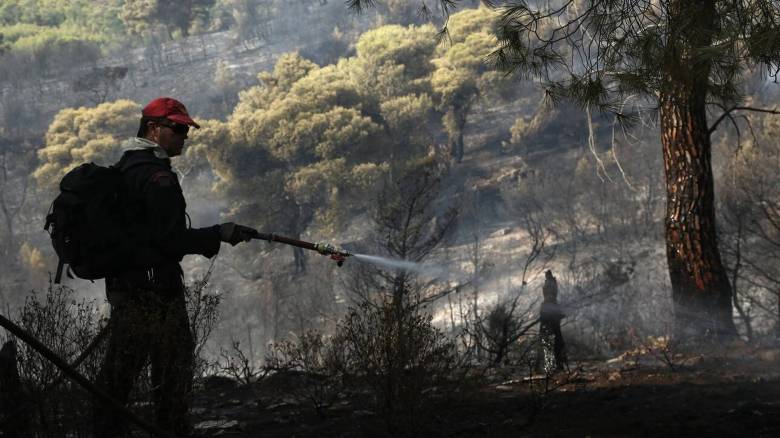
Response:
column 433, row 271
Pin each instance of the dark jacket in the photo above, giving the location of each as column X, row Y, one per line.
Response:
column 155, row 209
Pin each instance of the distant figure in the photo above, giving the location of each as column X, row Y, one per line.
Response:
column 552, row 356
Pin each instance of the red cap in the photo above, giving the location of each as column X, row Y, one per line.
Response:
column 169, row 108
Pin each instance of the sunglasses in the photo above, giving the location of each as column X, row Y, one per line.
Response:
column 176, row 127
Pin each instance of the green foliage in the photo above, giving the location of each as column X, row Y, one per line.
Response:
column 289, row 68
column 470, row 21
column 329, row 49
column 14, row 32
column 78, row 135
column 408, row 46
column 627, row 48
column 108, row 21
column 84, row 20
column 248, row 19
column 55, row 48
column 96, row 134
column 401, row 12
column 200, row 145
column 137, row 15
column 9, row 12
column 34, row 50
column 394, row 43
column 142, row 16
column 53, row 13
column 456, row 86
column 519, row 130
column 461, row 75
column 310, row 140
column 308, row 135
column 32, row 37
column 408, row 116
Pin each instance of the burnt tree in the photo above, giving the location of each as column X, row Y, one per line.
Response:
column 700, row 286
column 411, row 219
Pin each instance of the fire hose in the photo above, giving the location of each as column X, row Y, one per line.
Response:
column 335, row 253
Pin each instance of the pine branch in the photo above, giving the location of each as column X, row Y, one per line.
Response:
column 727, row 113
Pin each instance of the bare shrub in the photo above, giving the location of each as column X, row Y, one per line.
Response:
column 313, row 355
column 664, row 348
column 235, row 363
column 504, row 325
column 606, row 303
column 400, row 355
column 496, row 333
column 203, row 311
column 395, row 352
column 71, row 328
column 67, row 327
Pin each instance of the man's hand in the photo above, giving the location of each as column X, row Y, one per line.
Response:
column 234, row 234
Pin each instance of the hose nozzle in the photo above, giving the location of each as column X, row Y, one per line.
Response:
column 335, row 253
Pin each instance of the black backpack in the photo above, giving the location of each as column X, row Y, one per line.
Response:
column 86, row 223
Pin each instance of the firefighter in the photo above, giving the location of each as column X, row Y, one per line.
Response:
column 148, row 312
column 552, row 356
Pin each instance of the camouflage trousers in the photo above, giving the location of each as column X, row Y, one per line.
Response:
column 147, row 325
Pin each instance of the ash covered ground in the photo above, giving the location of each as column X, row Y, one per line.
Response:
column 731, row 390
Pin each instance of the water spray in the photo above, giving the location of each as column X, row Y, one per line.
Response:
column 335, row 253
column 405, row 265
column 340, row 255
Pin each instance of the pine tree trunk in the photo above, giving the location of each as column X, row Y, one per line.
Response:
column 700, row 286
column 459, row 114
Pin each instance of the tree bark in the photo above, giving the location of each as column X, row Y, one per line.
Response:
column 701, row 291
column 459, row 113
